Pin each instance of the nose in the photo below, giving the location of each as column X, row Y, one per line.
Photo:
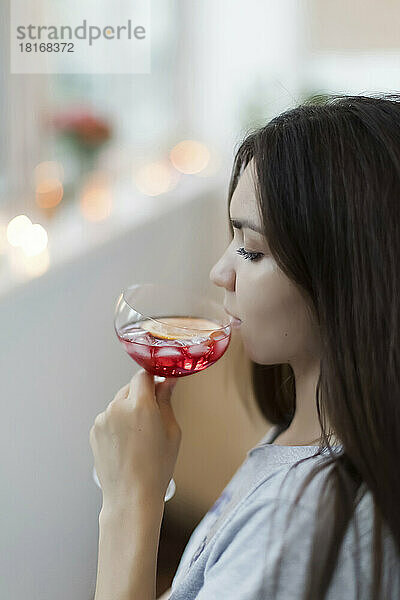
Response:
column 223, row 274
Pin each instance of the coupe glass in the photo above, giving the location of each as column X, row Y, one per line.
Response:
column 171, row 332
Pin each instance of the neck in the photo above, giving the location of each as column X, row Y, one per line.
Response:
column 304, row 429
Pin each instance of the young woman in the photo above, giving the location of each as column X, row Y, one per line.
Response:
column 313, row 275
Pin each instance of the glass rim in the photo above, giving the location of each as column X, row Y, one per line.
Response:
column 159, row 320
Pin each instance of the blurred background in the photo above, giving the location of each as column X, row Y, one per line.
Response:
column 107, row 180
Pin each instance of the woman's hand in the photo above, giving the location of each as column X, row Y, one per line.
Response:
column 135, row 442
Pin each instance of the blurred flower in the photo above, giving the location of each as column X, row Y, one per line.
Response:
column 81, row 135
column 87, row 128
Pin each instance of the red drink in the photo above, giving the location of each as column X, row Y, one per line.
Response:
column 168, row 352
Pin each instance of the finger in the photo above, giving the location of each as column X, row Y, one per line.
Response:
column 118, row 398
column 142, row 388
column 165, row 388
column 122, row 393
column 99, row 420
column 163, row 397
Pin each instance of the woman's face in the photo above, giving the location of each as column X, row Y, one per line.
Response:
column 276, row 324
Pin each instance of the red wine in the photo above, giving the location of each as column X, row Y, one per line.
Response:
column 163, row 349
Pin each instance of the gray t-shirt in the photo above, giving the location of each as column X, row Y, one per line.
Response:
column 234, row 550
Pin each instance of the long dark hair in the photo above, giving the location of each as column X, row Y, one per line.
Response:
column 327, row 175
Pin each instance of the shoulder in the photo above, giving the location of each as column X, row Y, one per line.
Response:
column 287, row 480
column 248, row 549
column 275, row 513
column 262, row 514
column 303, row 483
column 268, row 537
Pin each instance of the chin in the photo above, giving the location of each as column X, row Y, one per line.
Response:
column 259, row 356
column 251, row 352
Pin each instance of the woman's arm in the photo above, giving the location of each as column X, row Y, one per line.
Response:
column 165, row 595
column 128, row 547
column 135, row 444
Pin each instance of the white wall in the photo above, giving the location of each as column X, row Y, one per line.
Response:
column 236, row 54
column 61, row 364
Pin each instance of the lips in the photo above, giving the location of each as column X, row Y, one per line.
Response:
column 233, row 316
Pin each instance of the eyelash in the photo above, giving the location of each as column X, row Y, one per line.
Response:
column 249, row 255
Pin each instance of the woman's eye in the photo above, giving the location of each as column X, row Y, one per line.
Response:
column 249, row 255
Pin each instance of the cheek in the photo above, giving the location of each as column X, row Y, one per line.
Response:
column 276, row 323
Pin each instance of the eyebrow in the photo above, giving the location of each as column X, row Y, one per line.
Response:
column 247, row 224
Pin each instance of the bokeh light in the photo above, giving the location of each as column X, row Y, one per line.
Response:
column 49, row 176
column 49, row 193
column 3, row 238
column 190, row 156
column 213, row 166
column 38, row 264
column 49, row 169
column 31, row 266
column 96, row 198
column 156, row 178
column 35, row 240
column 17, row 229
